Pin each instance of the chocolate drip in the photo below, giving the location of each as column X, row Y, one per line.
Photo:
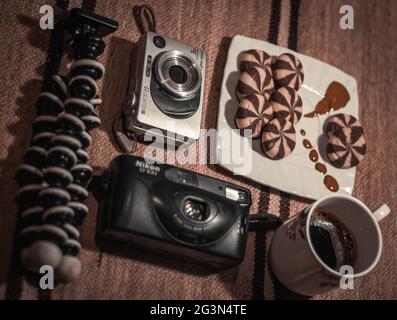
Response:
column 331, row 183
column 307, row 144
column 336, row 97
column 321, row 168
column 313, row 155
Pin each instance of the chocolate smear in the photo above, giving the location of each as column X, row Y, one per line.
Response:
column 336, row 97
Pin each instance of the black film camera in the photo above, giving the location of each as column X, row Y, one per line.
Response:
column 172, row 211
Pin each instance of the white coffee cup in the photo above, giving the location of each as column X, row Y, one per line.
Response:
column 296, row 263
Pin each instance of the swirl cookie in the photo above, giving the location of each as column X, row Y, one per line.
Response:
column 253, row 113
column 287, row 104
column 341, row 121
column 278, row 138
column 288, row 71
column 255, row 80
column 346, row 148
column 254, row 58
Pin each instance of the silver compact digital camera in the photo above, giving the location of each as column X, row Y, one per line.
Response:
column 166, row 89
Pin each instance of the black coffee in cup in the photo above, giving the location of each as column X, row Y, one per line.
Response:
column 332, row 240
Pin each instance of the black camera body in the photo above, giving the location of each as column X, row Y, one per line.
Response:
column 172, row 211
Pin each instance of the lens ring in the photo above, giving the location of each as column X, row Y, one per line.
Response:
column 192, row 83
column 178, row 74
column 195, row 210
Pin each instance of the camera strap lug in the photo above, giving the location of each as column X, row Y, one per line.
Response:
column 126, row 140
column 129, row 105
column 145, row 18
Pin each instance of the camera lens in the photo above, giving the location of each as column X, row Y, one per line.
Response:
column 159, row 42
column 178, row 74
column 195, row 210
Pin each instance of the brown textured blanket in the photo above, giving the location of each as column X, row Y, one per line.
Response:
column 308, row 26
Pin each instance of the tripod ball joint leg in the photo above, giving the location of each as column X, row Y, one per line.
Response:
column 55, row 172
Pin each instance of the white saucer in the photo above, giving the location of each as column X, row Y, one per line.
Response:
column 294, row 174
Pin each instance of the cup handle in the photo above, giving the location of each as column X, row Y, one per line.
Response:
column 381, row 212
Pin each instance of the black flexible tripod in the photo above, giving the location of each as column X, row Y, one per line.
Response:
column 55, row 172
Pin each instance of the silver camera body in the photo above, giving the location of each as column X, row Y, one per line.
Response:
column 166, row 89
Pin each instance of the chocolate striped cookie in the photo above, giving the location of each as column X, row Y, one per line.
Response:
column 255, row 80
column 287, row 104
column 340, row 121
column 346, row 148
column 253, row 113
column 254, row 58
column 278, row 138
column 288, row 71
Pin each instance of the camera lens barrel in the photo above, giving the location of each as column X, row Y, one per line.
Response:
column 178, row 74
